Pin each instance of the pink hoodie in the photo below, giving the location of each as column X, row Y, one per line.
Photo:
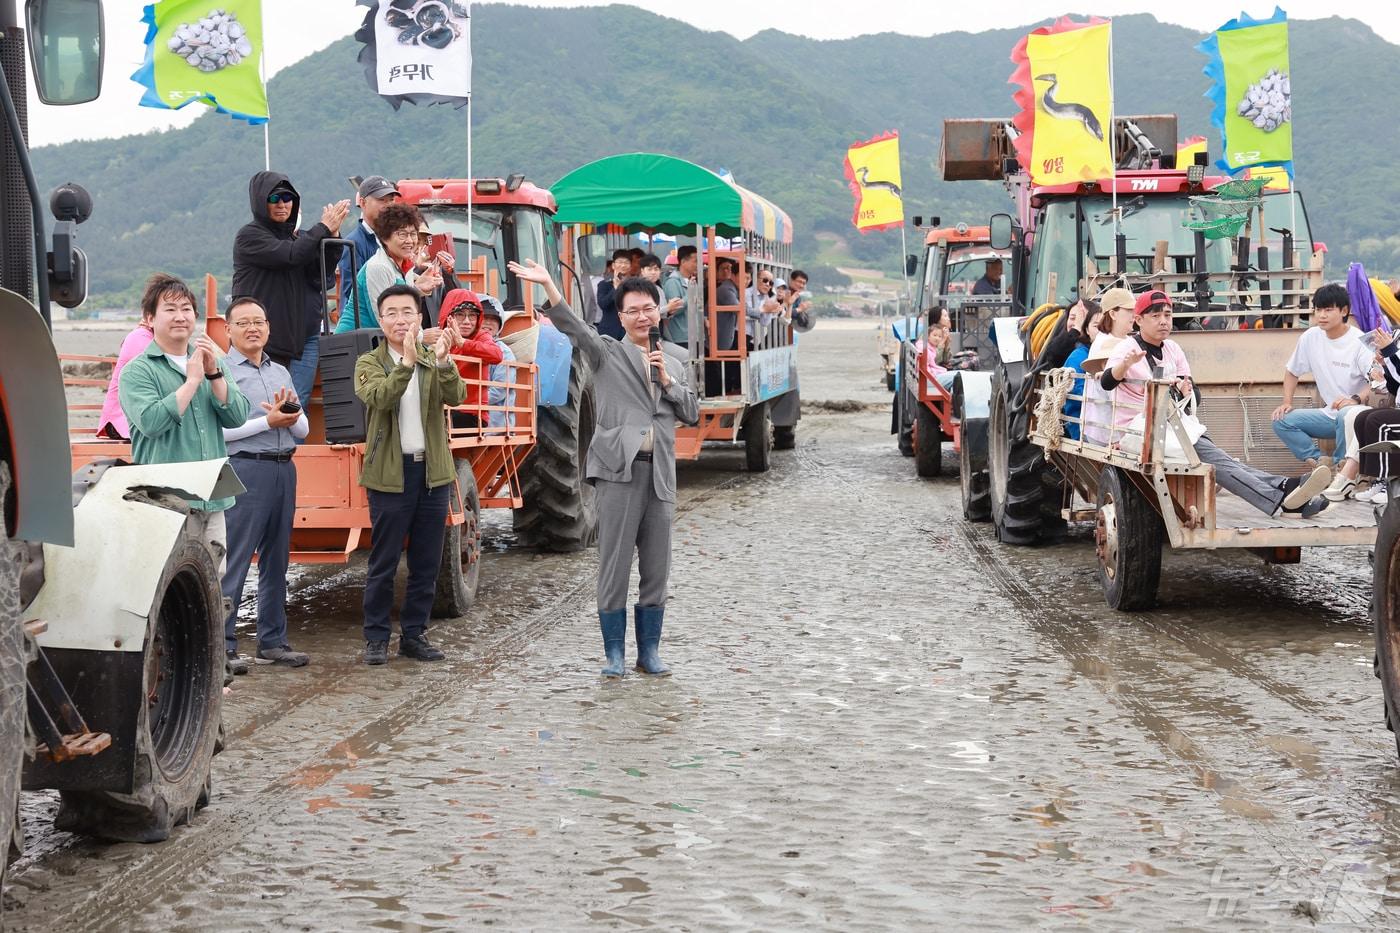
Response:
column 113, row 423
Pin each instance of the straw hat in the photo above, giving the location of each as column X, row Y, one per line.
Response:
column 1101, row 350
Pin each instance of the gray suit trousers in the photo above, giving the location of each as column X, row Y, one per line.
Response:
column 631, row 519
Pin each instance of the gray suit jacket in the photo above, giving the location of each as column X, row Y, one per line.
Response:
column 625, row 405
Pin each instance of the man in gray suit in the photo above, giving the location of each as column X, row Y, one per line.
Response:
column 639, row 395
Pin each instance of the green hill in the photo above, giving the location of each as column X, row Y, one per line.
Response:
column 557, row 88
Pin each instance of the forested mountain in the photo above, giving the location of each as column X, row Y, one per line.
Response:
column 557, row 88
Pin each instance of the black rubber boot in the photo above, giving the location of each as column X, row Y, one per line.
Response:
column 614, row 625
column 648, row 625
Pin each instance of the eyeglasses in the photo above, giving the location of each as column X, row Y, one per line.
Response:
column 397, row 315
column 465, row 312
column 244, row 325
column 406, row 235
column 639, row 309
column 766, row 281
column 281, row 197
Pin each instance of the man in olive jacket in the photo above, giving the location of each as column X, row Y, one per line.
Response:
column 408, row 470
column 639, row 395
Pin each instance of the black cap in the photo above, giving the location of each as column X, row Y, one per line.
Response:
column 376, row 186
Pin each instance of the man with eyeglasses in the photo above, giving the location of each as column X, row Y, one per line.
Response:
column 761, row 306
column 280, row 266
column 639, row 395
column 260, row 521
column 408, row 470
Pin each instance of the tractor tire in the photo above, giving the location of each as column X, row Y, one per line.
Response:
column 460, row 574
column 758, row 440
column 1127, row 542
column 1014, row 467
column 1385, row 610
column 179, row 713
column 972, row 472
column 784, row 437
column 905, row 432
column 14, row 658
column 559, row 513
column 928, row 443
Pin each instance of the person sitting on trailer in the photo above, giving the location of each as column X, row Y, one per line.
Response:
column 676, row 294
column 651, row 271
column 1084, row 334
column 497, row 397
column 1132, row 364
column 408, row 470
column 446, row 265
column 990, row 282
column 472, row 346
column 1365, row 426
column 397, row 229
column 1339, row 360
column 608, row 323
column 639, row 395
column 799, row 309
column 761, row 308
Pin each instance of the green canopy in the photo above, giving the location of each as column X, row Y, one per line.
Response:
column 643, row 191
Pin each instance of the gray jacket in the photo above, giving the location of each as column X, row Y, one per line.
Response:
column 625, row 405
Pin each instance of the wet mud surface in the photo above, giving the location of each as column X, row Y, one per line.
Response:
column 880, row 718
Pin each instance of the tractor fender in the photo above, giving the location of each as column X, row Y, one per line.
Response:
column 97, row 595
column 972, row 395
column 554, row 357
column 33, row 416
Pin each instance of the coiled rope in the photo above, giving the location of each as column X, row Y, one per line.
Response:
column 1053, row 395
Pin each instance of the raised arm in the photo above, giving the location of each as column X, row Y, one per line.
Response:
column 580, row 334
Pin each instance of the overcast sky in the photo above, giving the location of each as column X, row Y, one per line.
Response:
column 296, row 28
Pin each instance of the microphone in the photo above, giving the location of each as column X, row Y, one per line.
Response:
column 654, row 344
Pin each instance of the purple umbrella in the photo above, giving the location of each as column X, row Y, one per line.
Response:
column 1365, row 310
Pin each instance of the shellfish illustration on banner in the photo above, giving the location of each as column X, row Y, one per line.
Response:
column 217, row 41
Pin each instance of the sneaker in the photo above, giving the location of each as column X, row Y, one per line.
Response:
column 284, row 655
column 416, row 646
column 1306, row 488
column 234, row 663
column 1376, row 495
column 376, row 652
column 1342, row 487
column 1307, row 509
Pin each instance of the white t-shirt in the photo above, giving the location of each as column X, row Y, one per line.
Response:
column 1340, row 367
column 410, row 412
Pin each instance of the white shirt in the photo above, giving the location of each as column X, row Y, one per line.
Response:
column 1341, row 367
column 410, row 412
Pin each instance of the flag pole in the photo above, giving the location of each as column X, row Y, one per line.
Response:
column 471, row 186
column 1121, row 276
column 262, row 75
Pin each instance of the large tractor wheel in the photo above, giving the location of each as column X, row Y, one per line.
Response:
column 559, row 513
column 972, row 471
column 1128, row 543
column 460, row 574
column 1014, row 467
column 784, row 436
column 178, row 713
column 928, row 442
column 890, row 380
column 758, row 439
column 1385, row 601
column 13, row 663
column 902, row 426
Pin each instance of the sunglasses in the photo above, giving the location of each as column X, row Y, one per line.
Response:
column 281, row 197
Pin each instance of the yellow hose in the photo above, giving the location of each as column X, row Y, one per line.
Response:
column 1040, row 334
column 1388, row 302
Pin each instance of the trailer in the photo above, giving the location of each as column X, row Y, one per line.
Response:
column 747, row 396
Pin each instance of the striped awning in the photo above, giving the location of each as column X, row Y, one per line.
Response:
column 645, row 192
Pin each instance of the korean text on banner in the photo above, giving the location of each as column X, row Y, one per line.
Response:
column 207, row 51
column 1251, row 92
column 872, row 170
column 419, row 52
column 1064, row 89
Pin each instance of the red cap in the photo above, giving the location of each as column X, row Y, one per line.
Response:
column 1151, row 301
column 455, row 299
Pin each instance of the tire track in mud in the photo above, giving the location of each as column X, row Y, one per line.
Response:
column 1236, row 796
column 127, row 891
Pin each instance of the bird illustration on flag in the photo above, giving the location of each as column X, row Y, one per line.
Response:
column 1064, row 88
column 872, row 170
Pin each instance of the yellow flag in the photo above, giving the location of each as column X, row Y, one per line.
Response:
column 872, row 169
column 1066, row 94
column 1277, row 176
column 1186, row 150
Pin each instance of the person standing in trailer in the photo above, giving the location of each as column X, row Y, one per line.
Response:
column 641, row 391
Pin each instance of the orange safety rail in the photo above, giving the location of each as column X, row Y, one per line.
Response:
column 939, row 401
column 80, row 382
column 496, row 451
